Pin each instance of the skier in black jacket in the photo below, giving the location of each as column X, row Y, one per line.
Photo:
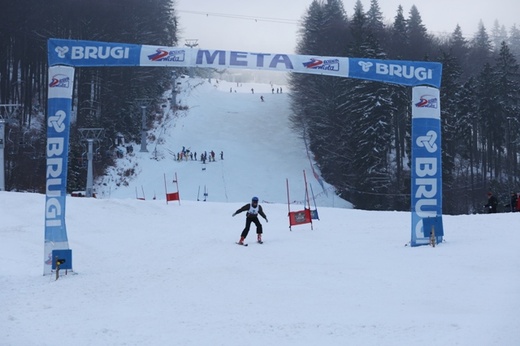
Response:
column 253, row 209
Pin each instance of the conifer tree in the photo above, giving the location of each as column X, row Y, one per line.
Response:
column 514, row 41
column 459, row 49
column 399, row 36
column 420, row 42
column 481, row 49
column 507, row 78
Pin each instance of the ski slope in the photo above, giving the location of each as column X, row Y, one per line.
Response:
column 260, row 150
column 155, row 274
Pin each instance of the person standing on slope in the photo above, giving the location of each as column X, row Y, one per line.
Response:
column 252, row 210
column 492, row 203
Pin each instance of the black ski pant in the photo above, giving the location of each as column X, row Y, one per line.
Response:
column 248, row 225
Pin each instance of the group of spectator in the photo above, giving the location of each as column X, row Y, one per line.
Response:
column 512, row 206
column 186, row 154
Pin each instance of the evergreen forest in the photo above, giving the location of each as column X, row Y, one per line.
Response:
column 358, row 131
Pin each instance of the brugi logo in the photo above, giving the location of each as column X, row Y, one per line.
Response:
column 62, row 51
column 59, row 81
column 406, row 71
column 428, row 141
column 93, row 52
column 317, row 64
column 365, row 65
column 427, row 101
column 164, row 55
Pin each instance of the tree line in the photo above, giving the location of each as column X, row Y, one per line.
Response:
column 103, row 97
column 359, row 131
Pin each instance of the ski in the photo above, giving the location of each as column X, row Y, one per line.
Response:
column 241, row 244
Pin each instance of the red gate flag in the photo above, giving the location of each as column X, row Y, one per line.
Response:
column 174, row 196
column 300, row 217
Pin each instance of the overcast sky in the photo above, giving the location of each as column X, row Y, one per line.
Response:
column 252, row 25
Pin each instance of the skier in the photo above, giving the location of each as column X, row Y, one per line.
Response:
column 252, row 210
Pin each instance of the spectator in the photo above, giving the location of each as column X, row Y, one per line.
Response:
column 492, row 203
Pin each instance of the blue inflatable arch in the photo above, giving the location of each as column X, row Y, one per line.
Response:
column 65, row 55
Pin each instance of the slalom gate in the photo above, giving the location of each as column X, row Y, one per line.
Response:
column 65, row 55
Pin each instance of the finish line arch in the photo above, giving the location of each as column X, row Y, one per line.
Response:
column 65, row 55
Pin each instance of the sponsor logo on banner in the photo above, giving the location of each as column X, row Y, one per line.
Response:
column 399, row 70
column 62, row 52
column 326, row 64
column 426, row 164
column 59, row 81
column 56, row 176
column 426, row 178
column 92, row 52
column 168, row 55
column 243, row 59
column 427, row 101
column 395, row 71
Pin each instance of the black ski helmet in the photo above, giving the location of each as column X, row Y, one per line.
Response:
column 254, row 199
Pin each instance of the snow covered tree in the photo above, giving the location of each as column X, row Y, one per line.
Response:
column 449, row 94
column 358, row 29
column 498, row 35
column 514, row 41
column 507, row 79
column 481, row 49
column 467, row 131
column 420, row 43
column 375, row 18
column 491, row 139
column 399, row 36
column 101, row 95
column 459, row 49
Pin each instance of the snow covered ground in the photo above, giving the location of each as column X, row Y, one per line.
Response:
column 155, row 274
column 151, row 273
